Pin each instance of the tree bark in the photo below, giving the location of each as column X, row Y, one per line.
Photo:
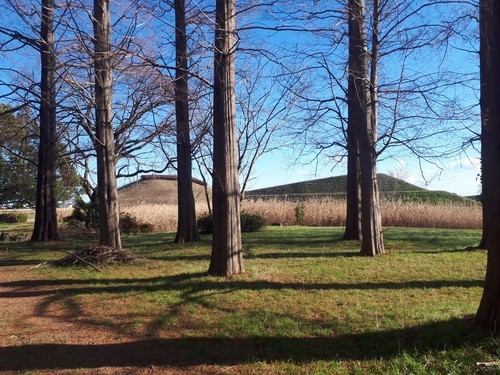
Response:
column 227, row 257
column 186, row 211
column 376, row 243
column 488, row 314
column 365, row 119
column 109, row 228
column 484, row 87
column 353, row 187
column 45, row 228
column 483, row 244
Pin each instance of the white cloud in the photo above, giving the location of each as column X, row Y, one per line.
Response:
column 469, row 163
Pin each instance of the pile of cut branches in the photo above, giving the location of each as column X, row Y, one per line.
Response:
column 93, row 255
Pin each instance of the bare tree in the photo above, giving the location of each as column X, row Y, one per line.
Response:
column 488, row 313
column 186, row 212
column 364, row 119
column 109, row 225
column 227, row 256
column 19, row 35
column 413, row 107
column 45, row 228
column 143, row 110
column 264, row 100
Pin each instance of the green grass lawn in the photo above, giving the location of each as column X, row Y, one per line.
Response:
column 308, row 303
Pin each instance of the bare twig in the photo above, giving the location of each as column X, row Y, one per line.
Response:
column 488, row 364
column 84, row 261
column 38, row 265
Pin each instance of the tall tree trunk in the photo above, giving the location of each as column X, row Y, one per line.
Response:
column 353, row 187
column 483, row 244
column 186, row 212
column 488, row 314
column 485, row 65
column 376, row 243
column 372, row 242
column 109, row 228
column 227, row 257
column 365, row 120
column 45, row 228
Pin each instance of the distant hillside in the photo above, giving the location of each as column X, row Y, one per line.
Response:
column 390, row 188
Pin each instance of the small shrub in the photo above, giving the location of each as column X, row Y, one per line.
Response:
column 14, row 217
column 252, row 223
column 249, row 223
column 147, row 228
column 130, row 225
column 205, row 224
column 300, row 212
column 85, row 212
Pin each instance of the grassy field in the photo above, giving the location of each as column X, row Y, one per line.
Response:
column 308, row 304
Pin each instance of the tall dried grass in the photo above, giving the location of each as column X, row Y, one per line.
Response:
column 163, row 217
column 425, row 215
column 324, row 212
column 331, row 212
column 317, row 212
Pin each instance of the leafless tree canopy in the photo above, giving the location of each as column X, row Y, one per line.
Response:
column 291, row 81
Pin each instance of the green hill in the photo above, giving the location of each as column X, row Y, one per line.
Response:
column 390, row 188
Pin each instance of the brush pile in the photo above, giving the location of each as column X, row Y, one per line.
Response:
column 93, row 255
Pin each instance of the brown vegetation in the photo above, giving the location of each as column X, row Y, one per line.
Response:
column 163, row 217
column 331, row 212
column 324, row 212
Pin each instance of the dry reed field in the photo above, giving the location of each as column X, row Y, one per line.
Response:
column 331, row 212
column 163, row 217
column 323, row 212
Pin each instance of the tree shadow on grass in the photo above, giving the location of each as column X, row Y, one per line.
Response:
column 163, row 241
column 197, row 351
column 298, row 242
column 191, row 288
column 249, row 254
column 194, row 282
column 468, row 249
